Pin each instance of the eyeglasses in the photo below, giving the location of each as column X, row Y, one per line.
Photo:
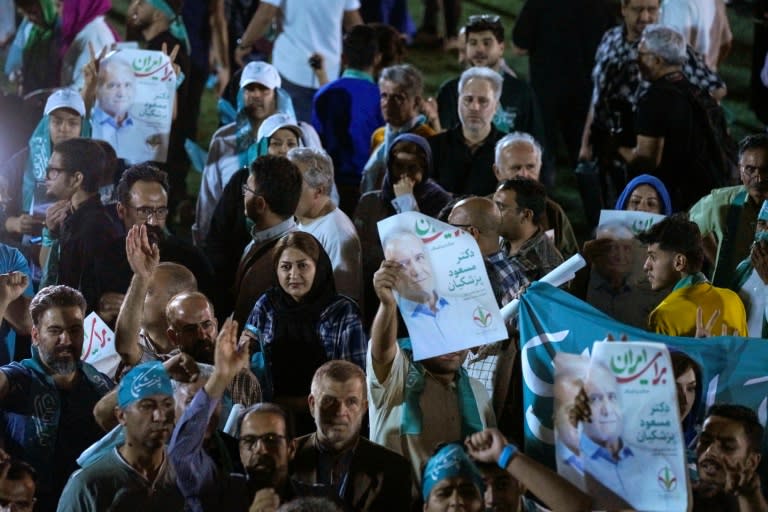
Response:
column 270, row 440
column 483, row 18
column 247, row 189
column 145, row 212
column 53, row 172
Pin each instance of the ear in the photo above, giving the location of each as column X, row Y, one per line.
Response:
column 311, row 402
column 417, row 102
column 527, row 215
column 679, row 262
column 291, row 449
column 120, row 415
column 171, row 335
column 503, row 47
column 753, row 461
column 497, row 173
column 120, row 210
column 35, row 336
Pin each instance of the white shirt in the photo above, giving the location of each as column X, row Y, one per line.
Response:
column 96, row 32
column 309, row 26
column 701, row 20
column 337, row 234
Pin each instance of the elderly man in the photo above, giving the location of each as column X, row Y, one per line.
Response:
column 317, row 214
column 137, row 474
column 518, row 154
column 728, row 454
column 230, row 148
column 401, row 88
column 522, row 202
column 675, row 258
column 54, row 376
column 673, row 131
column 725, row 215
column 463, row 155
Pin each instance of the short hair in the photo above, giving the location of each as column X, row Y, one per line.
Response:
column 483, row 23
column 744, row 416
column 268, row 408
column 85, row 156
column 56, row 296
column 360, row 47
column 482, row 73
column 531, row 195
column 754, row 141
column 665, row 43
column 391, row 44
column 18, row 469
column 309, row 504
column 406, row 76
column 338, row 370
column 140, row 172
column 110, row 161
column 677, row 234
column 319, row 172
column 181, row 279
column 170, row 308
column 300, row 240
column 513, row 138
column 279, row 182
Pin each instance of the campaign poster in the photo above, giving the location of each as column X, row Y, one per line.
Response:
column 618, row 284
column 629, row 452
column 99, row 345
column 135, row 95
column 444, row 294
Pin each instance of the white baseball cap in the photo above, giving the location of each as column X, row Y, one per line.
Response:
column 262, row 73
column 65, row 98
column 276, row 122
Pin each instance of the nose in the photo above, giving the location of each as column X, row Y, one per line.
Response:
column 647, row 265
column 456, row 498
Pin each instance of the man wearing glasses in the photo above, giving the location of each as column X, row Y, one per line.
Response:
column 727, row 216
column 77, row 227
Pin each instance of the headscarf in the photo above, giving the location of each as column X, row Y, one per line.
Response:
column 450, row 461
column 297, row 350
column 430, row 196
column 75, row 15
column 142, row 381
column 646, row 179
column 40, row 35
column 745, row 268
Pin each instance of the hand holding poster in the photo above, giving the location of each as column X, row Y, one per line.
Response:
column 99, row 345
column 628, row 450
column 135, row 94
column 443, row 292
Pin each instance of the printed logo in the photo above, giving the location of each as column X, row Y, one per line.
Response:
column 482, row 317
column 666, row 479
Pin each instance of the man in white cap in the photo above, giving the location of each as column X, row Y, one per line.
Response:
column 233, row 145
column 25, row 172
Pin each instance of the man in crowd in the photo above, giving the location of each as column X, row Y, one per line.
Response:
column 318, row 215
column 522, row 202
column 271, row 195
column 518, row 154
column 751, row 279
column 673, row 132
column 78, row 220
column 675, row 258
column 229, row 149
column 346, row 112
column 726, row 215
column 516, row 108
column 416, row 405
column 463, row 155
column 401, row 88
column 338, row 403
column 18, row 481
column 137, row 474
column 56, row 377
column 14, row 304
column 728, row 454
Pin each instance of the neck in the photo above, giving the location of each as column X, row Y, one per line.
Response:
column 268, row 220
column 67, row 381
column 488, row 245
column 335, row 448
column 156, row 28
column 476, row 136
column 397, row 127
column 528, row 231
column 443, row 378
column 80, row 197
column 145, row 461
column 320, row 209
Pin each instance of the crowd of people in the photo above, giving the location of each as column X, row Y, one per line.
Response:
column 261, row 358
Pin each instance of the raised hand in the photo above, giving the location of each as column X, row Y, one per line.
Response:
column 404, row 186
column 486, row 446
column 385, row 280
column 705, row 330
column 12, row 285
column 182, row 368
column 230, row 356
column 56, row 214
column 759, row 257
column 265, row 500
column 142, row 257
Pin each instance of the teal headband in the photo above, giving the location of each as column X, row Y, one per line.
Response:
column 143, row 381
column 450, row 461
column 177, row 28
column 763, row 215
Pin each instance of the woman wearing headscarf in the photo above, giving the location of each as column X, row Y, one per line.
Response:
column 82, row 23
column 407, row 187
column 302, row 323
column 645, row 193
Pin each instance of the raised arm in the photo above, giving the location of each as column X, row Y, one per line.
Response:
column 256, row 29
column 384, row 328
column 549, row 487
column 143, row 260
column 14, row 307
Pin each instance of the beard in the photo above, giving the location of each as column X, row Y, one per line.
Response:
column 201, row 351
column 60, row 365
column 262, row 472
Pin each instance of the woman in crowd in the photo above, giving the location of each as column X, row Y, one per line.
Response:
column 302, row 323
column 689, row 387
column 645, row 193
